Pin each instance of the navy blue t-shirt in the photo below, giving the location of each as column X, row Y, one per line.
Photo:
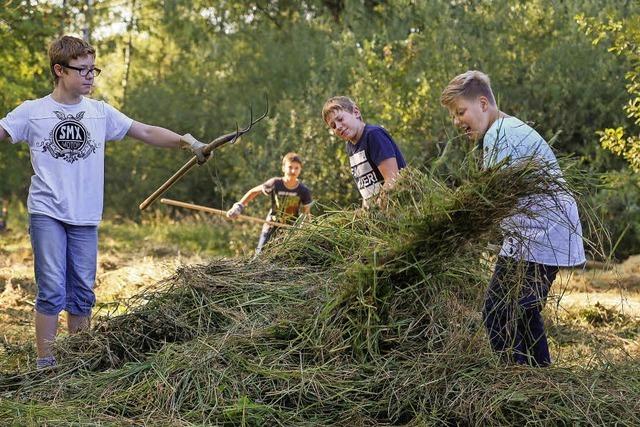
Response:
column 375, row 146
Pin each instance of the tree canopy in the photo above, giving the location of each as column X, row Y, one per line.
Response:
column 622, row 34
column 197, row 66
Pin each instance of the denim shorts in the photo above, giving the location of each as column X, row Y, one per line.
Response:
column 64, row 258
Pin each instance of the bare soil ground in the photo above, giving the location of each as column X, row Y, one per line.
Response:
column 596, row 311
column 614, row 286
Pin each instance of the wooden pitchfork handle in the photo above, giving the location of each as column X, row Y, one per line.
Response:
column 222, row 213
column 213, row 145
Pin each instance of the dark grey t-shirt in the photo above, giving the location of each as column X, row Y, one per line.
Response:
column 286, row 202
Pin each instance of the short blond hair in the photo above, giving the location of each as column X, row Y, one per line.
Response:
column 292, row 157
column 469, row 85
column 338, row 103
column 66, row 48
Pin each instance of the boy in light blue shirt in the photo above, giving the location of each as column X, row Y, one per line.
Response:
column 549, row 236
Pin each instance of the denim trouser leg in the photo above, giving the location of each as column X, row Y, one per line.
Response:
column 65, row 258
column 265, row 235
column 533, row 342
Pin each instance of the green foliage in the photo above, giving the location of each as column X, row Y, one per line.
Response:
column 623, row 36
column 26, row 28
column 615, row 201
column 25, row 31
column 197, row 66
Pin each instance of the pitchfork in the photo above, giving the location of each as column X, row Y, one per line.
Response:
column 213, row 145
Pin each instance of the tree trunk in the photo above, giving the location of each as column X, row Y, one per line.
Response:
column 127, row 54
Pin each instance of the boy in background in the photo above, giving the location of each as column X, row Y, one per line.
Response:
column 535, row 245
column 374, row 156
column 66, row 133
column 289, row 198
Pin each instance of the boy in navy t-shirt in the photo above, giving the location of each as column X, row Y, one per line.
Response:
column 288, row 195
column 374, row 157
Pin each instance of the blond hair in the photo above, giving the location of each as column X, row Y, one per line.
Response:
column 291, row 157
column 66, row 48
column 469, row 85
column 338, row 103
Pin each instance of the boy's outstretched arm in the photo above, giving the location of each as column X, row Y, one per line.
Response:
column 389, row 170
column 239, row 206
column 154, row 135
column 165, row 138
column 3, row 133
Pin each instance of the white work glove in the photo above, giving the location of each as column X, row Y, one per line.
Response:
column 235, row 211
column 188, row 142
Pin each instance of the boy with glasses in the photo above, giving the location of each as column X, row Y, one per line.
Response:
column 66, row 133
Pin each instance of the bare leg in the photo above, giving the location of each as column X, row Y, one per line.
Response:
column 78, row 323
column 46, row 328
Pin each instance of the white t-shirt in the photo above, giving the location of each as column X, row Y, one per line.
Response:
column 67, row 154
column 552, row 235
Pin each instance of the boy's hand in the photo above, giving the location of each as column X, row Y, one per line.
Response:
column 189, row 142
column 382, row 200
column 236, row 210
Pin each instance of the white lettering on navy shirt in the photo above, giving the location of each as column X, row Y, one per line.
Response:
column 366, row 179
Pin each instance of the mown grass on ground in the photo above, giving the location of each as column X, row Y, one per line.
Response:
column 358, row 318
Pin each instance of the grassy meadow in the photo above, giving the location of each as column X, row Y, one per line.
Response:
column 365, row 318
column 133, row 256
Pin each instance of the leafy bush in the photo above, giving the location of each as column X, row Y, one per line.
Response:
column 616, row 203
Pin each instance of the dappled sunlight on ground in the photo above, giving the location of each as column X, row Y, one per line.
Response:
column 594, row 313
column 613, row 286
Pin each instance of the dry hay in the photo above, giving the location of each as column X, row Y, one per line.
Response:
column 358, row 318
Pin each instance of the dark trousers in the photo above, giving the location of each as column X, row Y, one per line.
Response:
column 512, row 311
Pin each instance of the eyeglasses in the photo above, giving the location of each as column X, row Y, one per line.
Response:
column 84, row 72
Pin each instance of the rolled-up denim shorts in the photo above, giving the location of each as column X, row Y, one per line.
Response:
column 64, row 258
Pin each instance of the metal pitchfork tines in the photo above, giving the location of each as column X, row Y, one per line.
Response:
column 230, row 138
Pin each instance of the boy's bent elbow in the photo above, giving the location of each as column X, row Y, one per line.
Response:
column 389, row 170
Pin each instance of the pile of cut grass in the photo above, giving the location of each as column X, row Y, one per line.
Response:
column 359, row 317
